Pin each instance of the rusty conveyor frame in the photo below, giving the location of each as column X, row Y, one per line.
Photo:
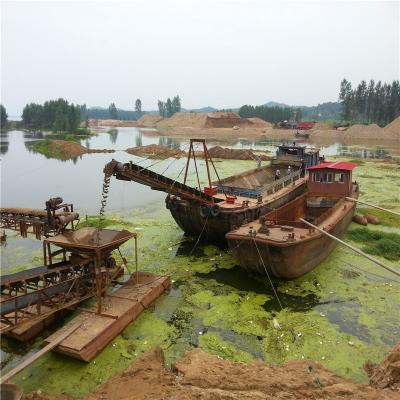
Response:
column 41, row 222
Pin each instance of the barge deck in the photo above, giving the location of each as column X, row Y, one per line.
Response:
column 118, row 310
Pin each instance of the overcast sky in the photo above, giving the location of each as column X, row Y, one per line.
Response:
column 222, row 53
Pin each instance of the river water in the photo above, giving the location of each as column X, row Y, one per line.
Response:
column 336, row 311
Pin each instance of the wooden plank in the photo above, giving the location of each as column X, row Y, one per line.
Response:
column 37, row 355
column 121, row 307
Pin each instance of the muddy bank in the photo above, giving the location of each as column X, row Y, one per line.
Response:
column 199, row 375
column 387, row 374
column 65, row 150
column 156, row 151
column 161, row 152
column 234, row 154
column 111, row 122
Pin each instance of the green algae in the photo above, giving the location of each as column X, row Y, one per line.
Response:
column 213, row 343
column 354, row 308
column 379, row 243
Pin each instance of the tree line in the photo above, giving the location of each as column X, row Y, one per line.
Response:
column 168, row 108
column 370, row 103
column 271, row 114
column 57, row 115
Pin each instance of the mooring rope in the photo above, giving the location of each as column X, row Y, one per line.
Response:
column 198, row 239
column 266, row 271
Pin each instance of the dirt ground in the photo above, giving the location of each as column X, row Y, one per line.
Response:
column 202, row 376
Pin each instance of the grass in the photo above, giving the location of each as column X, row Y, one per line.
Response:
column 379, row 243
column 43, row 147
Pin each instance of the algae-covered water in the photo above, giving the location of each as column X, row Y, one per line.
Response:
column 343, row 313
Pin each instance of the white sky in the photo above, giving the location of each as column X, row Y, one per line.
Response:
column 222, row 53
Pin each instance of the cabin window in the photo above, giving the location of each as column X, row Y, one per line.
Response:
column 329, row 177
column 317, row 177
column 339, row 177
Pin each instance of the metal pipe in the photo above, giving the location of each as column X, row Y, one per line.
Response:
column 352, row 248
column 373, row 205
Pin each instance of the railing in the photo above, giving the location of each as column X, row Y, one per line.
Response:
column 281, row 183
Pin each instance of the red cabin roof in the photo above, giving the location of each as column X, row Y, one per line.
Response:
column 343, row 165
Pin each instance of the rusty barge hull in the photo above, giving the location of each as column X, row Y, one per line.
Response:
column 213, row 228
column 120, row 308
column 293, row 258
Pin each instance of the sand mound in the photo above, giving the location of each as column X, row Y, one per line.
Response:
column 111, row 122
column 387, row 374
column 199, row 375
column 321, row 126
column 156, row 151
column 67, row 150
column 393, row 127
column 260, row 123
column 233, row 154
column 208, row 120
column 149, row 120
column 363, row 131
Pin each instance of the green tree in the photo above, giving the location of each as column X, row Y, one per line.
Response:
column 138, row 106
column 176, row 104
column 168, row 107
column 161, row 108
column 113, row 111
column 3, row 117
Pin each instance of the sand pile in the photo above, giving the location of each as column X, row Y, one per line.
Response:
column 363, row 131
column 67, row 150
column 260, row 123
column 199, row 375
column 209, row 121
column 182, row 119
column 393, row 128
column 156, row 151
column 321, row 126
column 111, row 122
column 387, row 374
column 149, row 120
column 233, row 154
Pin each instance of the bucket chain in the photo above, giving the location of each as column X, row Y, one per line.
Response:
column 108, row 171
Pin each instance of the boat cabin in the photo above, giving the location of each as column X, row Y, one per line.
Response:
column 295, row 155
column 331, row 179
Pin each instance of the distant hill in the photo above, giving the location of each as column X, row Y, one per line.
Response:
column 276, row 104
column 323, row 111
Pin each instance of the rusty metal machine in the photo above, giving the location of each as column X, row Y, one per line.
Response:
column 80, row 268
column 56, row 217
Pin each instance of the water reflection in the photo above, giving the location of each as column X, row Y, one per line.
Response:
column 113, row 135
column 3, row 143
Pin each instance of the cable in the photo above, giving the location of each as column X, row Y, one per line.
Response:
column 266, row 271
column 198, row 239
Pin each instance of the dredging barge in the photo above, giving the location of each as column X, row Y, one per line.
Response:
column 280, row 243
column 223, row 205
